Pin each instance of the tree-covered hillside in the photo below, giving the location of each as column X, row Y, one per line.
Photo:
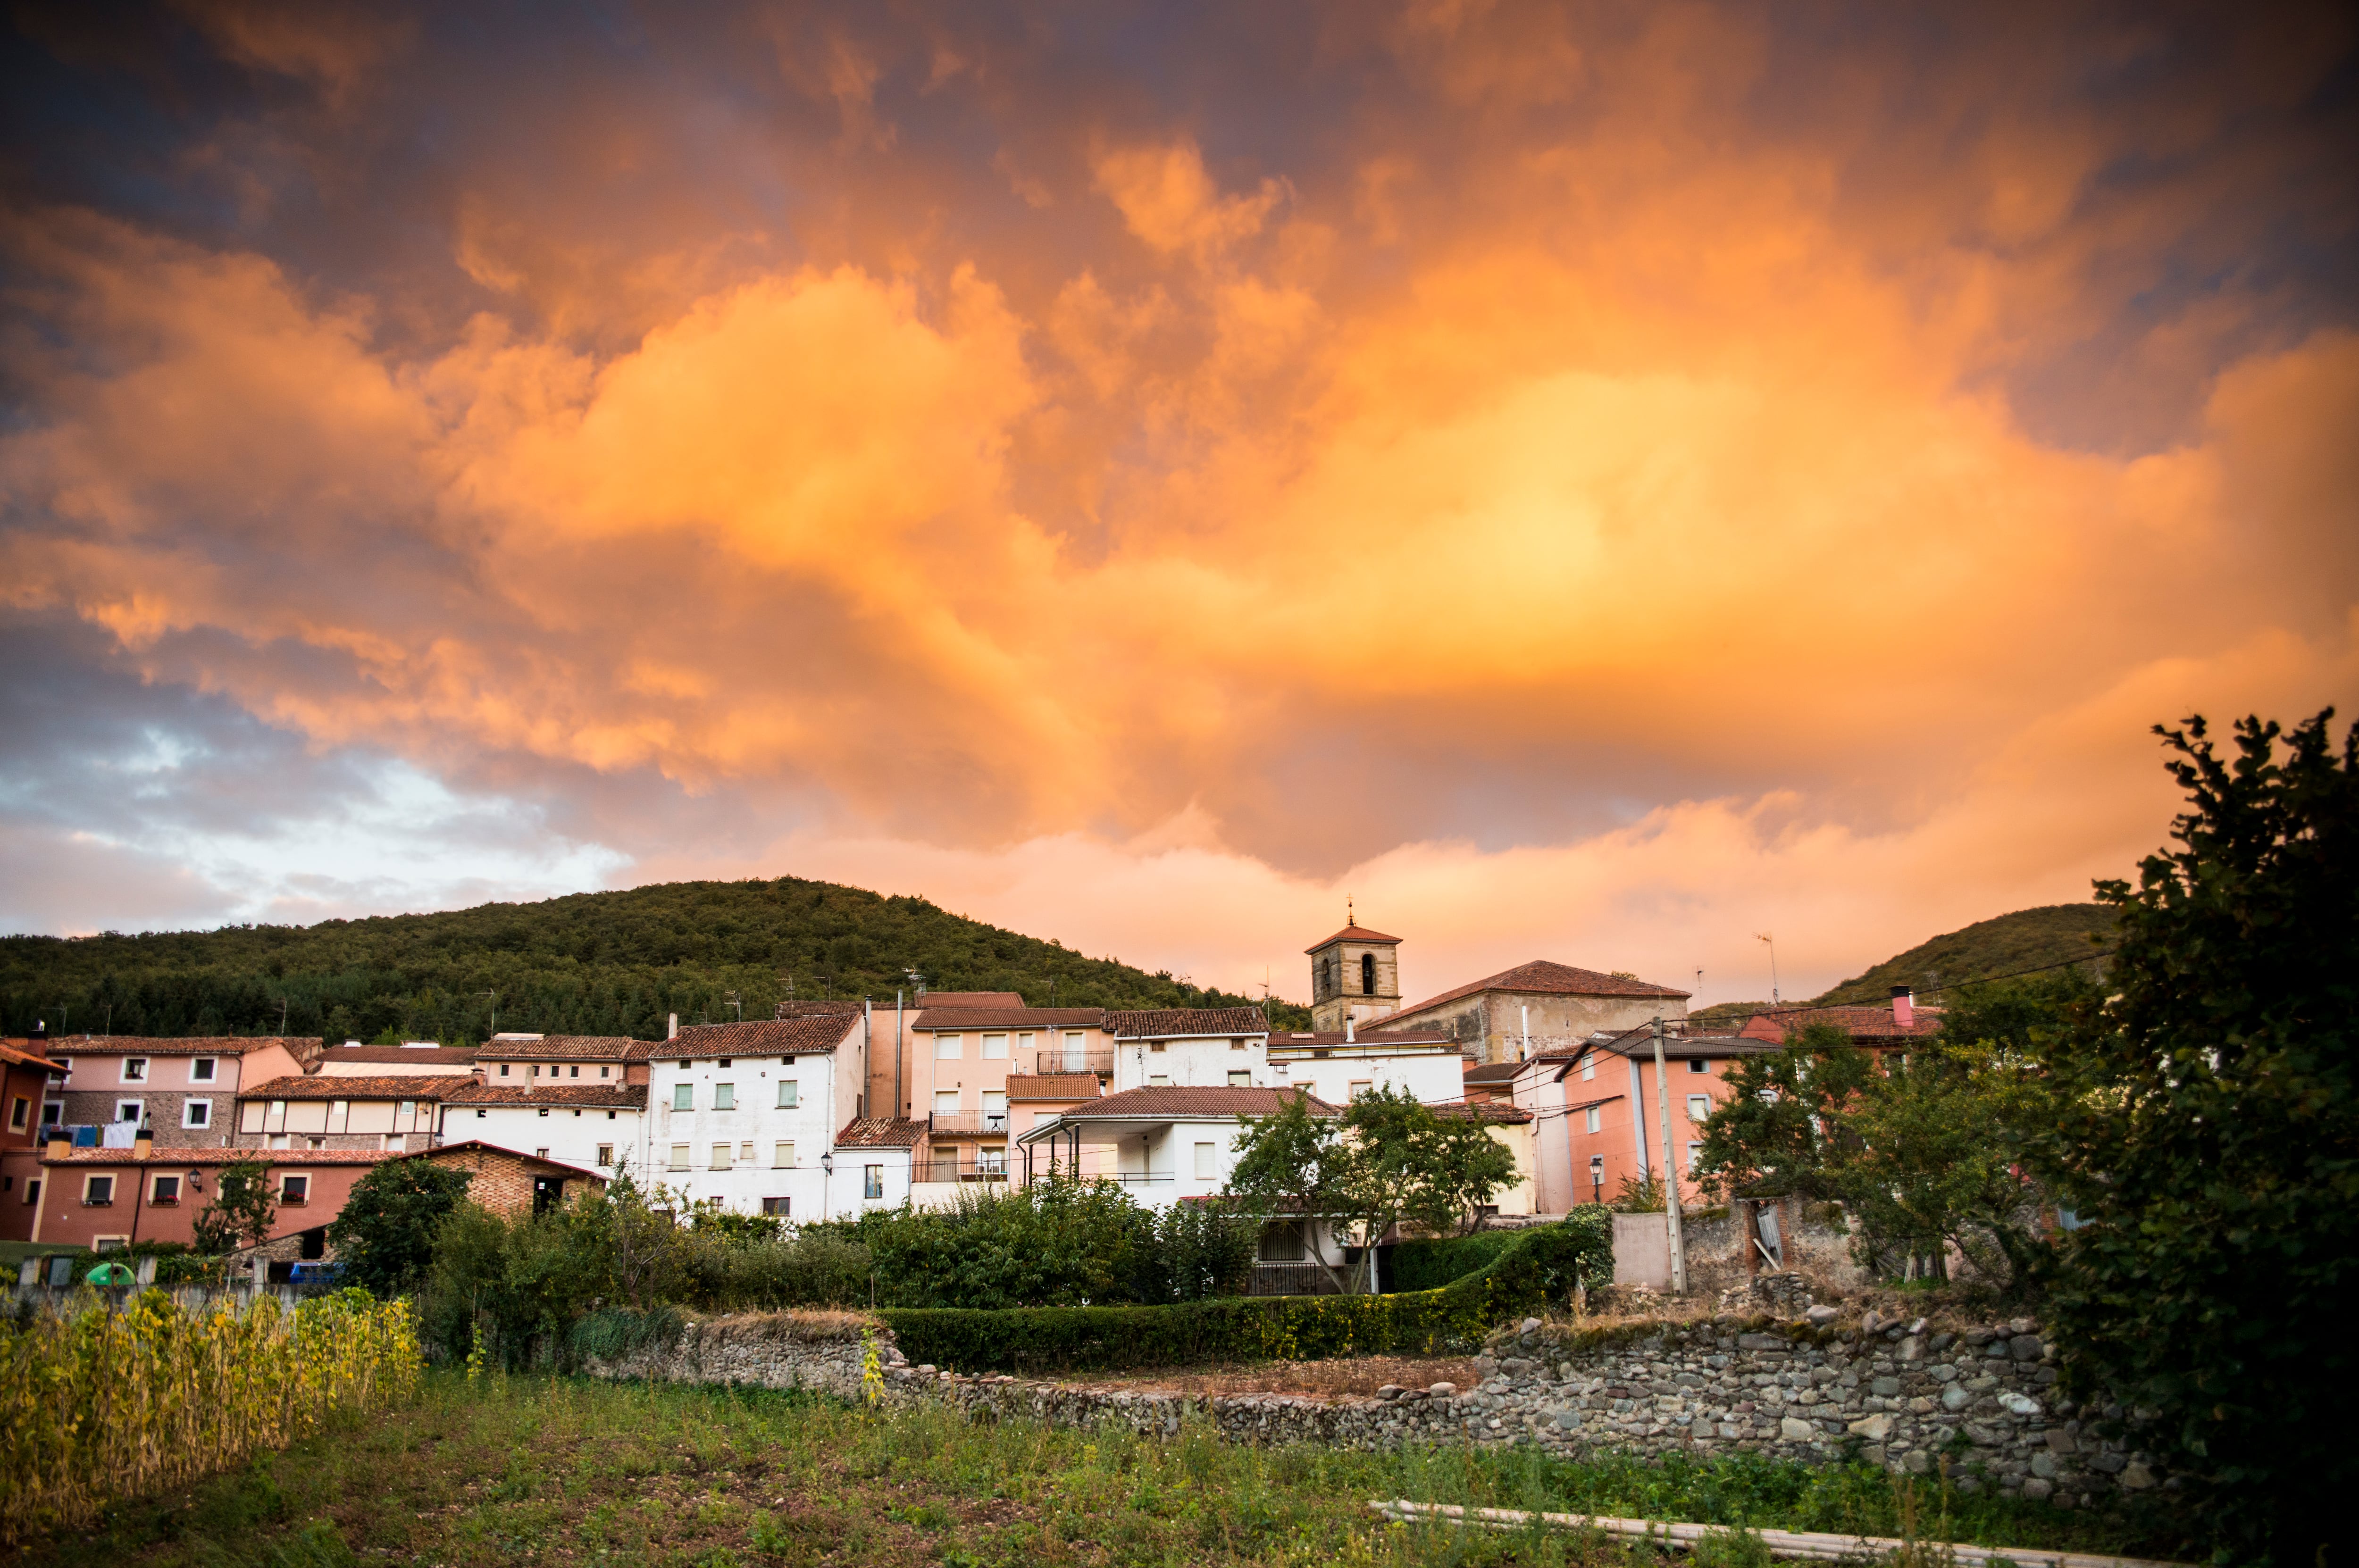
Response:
column 2003, row 945
column 604, row 963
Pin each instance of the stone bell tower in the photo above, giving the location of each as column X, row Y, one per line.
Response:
column 1354, row 974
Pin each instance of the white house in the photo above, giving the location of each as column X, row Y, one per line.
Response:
column 597, row 1127
column 1162, row 1144
column 765, row 1118
column 1337, row 1065
column 1189, row 1047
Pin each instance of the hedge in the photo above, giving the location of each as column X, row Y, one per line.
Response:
column 1429, row 1265
column 1535, row 1268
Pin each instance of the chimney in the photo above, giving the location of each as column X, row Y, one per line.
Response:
column 1347, row 1029
column 673, row 1032
column 143, row 1144
column 40, row 1029
column 60, row 1142
column 1904, row 1007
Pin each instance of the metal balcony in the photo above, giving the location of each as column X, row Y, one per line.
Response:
column 951, row 1168
column 1048, row 1059
column 967, row 1123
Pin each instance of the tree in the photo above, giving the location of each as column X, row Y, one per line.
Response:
column 1298, row 1163
column 242, row 1211
column 1452, row 1163
column 1772, row 1137
column 385, row 1235
column 2207, row 1134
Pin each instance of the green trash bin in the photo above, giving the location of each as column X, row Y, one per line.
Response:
column 106, row 1276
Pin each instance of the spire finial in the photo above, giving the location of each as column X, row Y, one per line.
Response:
column 1350, row 919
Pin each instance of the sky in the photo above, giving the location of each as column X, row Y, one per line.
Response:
column 1600, row 483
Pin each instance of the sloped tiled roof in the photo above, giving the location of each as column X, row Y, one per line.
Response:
column 1010, row 1018
column 809, row 1009
column 448, row 1154
column 1176, row 1022
column 1546, row 978
column 1002, row 1000
column 568, row 1048
column 601, row 1097
column 1052, row 1085
column 881, row 1132
column 391, row 1086
column 1166, row 1100
column 1639, row 1043
column 1322, row 1039
column 1351, row 933
column 14, row 1054
column 811, row 1034
column 188, row 1045
column 167, row 1158
column 1479, row 1112
column 1494, row 1073
column 1867, row 1021
column 398, row 1056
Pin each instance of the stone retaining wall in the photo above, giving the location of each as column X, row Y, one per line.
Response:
column 1809, row 1389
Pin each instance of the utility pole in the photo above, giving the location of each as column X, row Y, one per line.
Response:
column 495, row 1012
column 1670, row 1169
column 1770, row 937
column 736, row 1005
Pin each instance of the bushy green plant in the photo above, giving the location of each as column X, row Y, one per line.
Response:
column 1058, row 1242
column 1431, row 1264
column 384, row 1236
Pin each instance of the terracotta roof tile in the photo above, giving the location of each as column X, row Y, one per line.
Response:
column 399, row 1056
column 1164, row 1100
column 604, row 1097
column 441, row 1155
column 1351, row 933
column 388, row 1087
column 1002, row 1000
column 1547, row 977
column 1323, row 1039
column 1176, row 1022
column 881, row 1132
column 1052, row 1085
column 1011, row 1017
column 567, row 1048
column 186, row 1045
column 810, row 1035
column 1480, row 1112
column 170, row 1157
column 815, row 1009
column 1866, row 1021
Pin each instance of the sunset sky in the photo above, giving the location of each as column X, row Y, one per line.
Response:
column 1593, row 482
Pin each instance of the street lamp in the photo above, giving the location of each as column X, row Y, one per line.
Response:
column 827, row 1183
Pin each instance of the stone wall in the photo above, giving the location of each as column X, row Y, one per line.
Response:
column 1811, row 1389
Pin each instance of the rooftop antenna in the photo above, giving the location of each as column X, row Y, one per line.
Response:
column 1765, row 936
column 737, row 1004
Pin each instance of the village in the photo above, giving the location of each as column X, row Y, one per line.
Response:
column 1593, row 1082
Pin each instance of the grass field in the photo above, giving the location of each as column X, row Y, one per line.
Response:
column 563, row 1472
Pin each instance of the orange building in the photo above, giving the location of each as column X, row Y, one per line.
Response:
column 1613, row 1106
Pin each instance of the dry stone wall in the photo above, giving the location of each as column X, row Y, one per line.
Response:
column 1813, row 1389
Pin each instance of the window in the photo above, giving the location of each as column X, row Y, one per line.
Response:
column 1367, row 974
column 197, row 1113
column 1243, row 1080
column 1359, row 1087
column 53, row 1113
column 789, row 1094
column 724, row 1097
column 992, row 1159
column 201, row 1071
column 783, row 1157
column 544, row 1113
column 872, row 1182
column 409, row 1107
column 683, row 1096
column 603, row 1069
column 782, row 1207
column 1026, row 1041
column 1157, row 1046
column 1699, row 1106
column 995, row 1106
column 535, row 1069
column 1281, row 1242
column 20, row 1113
column 948, row 1048
column 994, row 1047
column 574, row 1072
column 98, row 1191
column 135, row 1069
column 722, row 1063
column 540, row 1154
column 679, row 1156
column 1589, row 1066
column 1693, row 1150
column 1698, row 1065
column 164, row 1191
column 32, row 1190
column 128, row 1110
column 721, row 1156
column 482, row 1114
column 1076, row 1041
column 1592, row 1120
column 745, row 1152
column 294, row 1192
column 1208, row 1161
column 606, row 1153
column 503, row 1069
column 945, row 1101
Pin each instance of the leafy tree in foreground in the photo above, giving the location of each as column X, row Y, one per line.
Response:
column 1296, row 1162
column 2208, row 1134
column 385, row 1236
column 242, row 1210
column 1774, row 1135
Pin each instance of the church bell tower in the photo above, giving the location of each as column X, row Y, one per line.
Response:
column 1354, row 976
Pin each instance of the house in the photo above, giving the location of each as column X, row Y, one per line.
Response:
column 508, row 1182
column 28, row 1080
column 872, row 1165
column 893, row 1067
column 1895, row 1027
column 956, row 1077
column 1514, row 1130
column 1538, row 1006
column 1164, row 1144
column 746, row 1115
column 153, row 1191
column 391, row 1114
column 182, row 1089
column 421, row 1058
column 1339, row 1066
column 591, row 1126
column 1613, row 1112
column 537, row 1060
column 1189, row 1047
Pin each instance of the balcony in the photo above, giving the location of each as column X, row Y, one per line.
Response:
column 952, row 1168
column 967, row 1123
column 1048, row 1059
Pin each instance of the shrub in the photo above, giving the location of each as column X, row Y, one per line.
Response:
column 1059, row 1242
column 1539, row 1268
column 384, row 1234
column 1428, row 1265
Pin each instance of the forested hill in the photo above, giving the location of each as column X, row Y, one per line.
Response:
column 603, row 963
column 2027, row 939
